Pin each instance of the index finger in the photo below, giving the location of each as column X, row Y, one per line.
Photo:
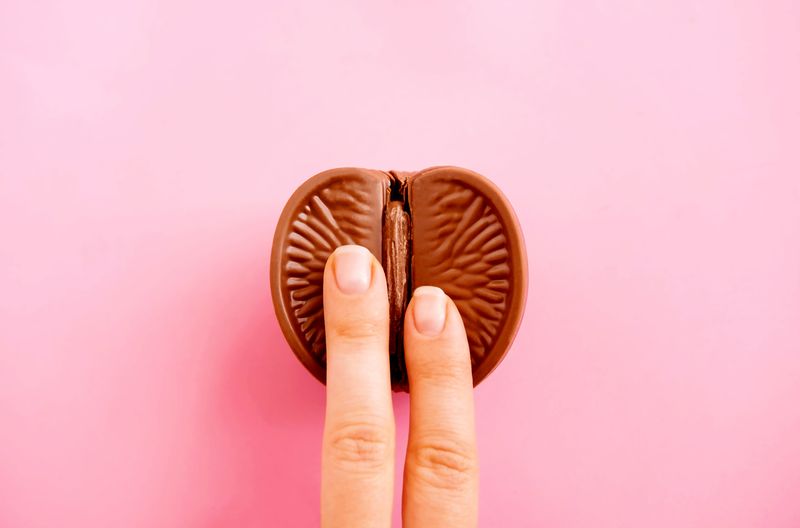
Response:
column 358, row 441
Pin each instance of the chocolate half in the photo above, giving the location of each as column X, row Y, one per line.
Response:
column 444, row 226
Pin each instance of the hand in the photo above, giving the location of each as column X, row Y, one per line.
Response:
column 440, row 483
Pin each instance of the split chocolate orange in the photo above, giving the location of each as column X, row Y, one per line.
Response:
column 443, row 226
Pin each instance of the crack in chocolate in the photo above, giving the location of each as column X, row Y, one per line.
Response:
column 396, row 264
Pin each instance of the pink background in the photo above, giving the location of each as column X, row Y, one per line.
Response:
column 651, row 151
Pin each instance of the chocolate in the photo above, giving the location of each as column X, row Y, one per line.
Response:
column 443, row 226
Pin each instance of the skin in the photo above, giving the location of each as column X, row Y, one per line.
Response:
column 440, row 484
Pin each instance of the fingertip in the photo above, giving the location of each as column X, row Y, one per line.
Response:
column 432, row 314
column 436, row 345
column 429, row 310
column 352, row 269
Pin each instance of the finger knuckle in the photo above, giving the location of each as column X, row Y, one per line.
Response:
column 441, row 372
column 358, row 329
column 444, row 464
column 360, row 445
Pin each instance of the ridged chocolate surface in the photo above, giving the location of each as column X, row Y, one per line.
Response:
column 461, row 245
column 335, row 208
column 444, row 226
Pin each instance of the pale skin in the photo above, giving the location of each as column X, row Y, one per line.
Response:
column 440, row 480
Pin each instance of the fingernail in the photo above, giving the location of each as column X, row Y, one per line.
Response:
column 352, row 268
column 430, row 305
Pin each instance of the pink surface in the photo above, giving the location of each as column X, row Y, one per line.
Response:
column 650, row 148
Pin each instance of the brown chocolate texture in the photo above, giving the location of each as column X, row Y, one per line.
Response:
column 444, row 226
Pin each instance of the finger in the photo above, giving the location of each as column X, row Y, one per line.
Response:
column 441, row 472
column 358, row 441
